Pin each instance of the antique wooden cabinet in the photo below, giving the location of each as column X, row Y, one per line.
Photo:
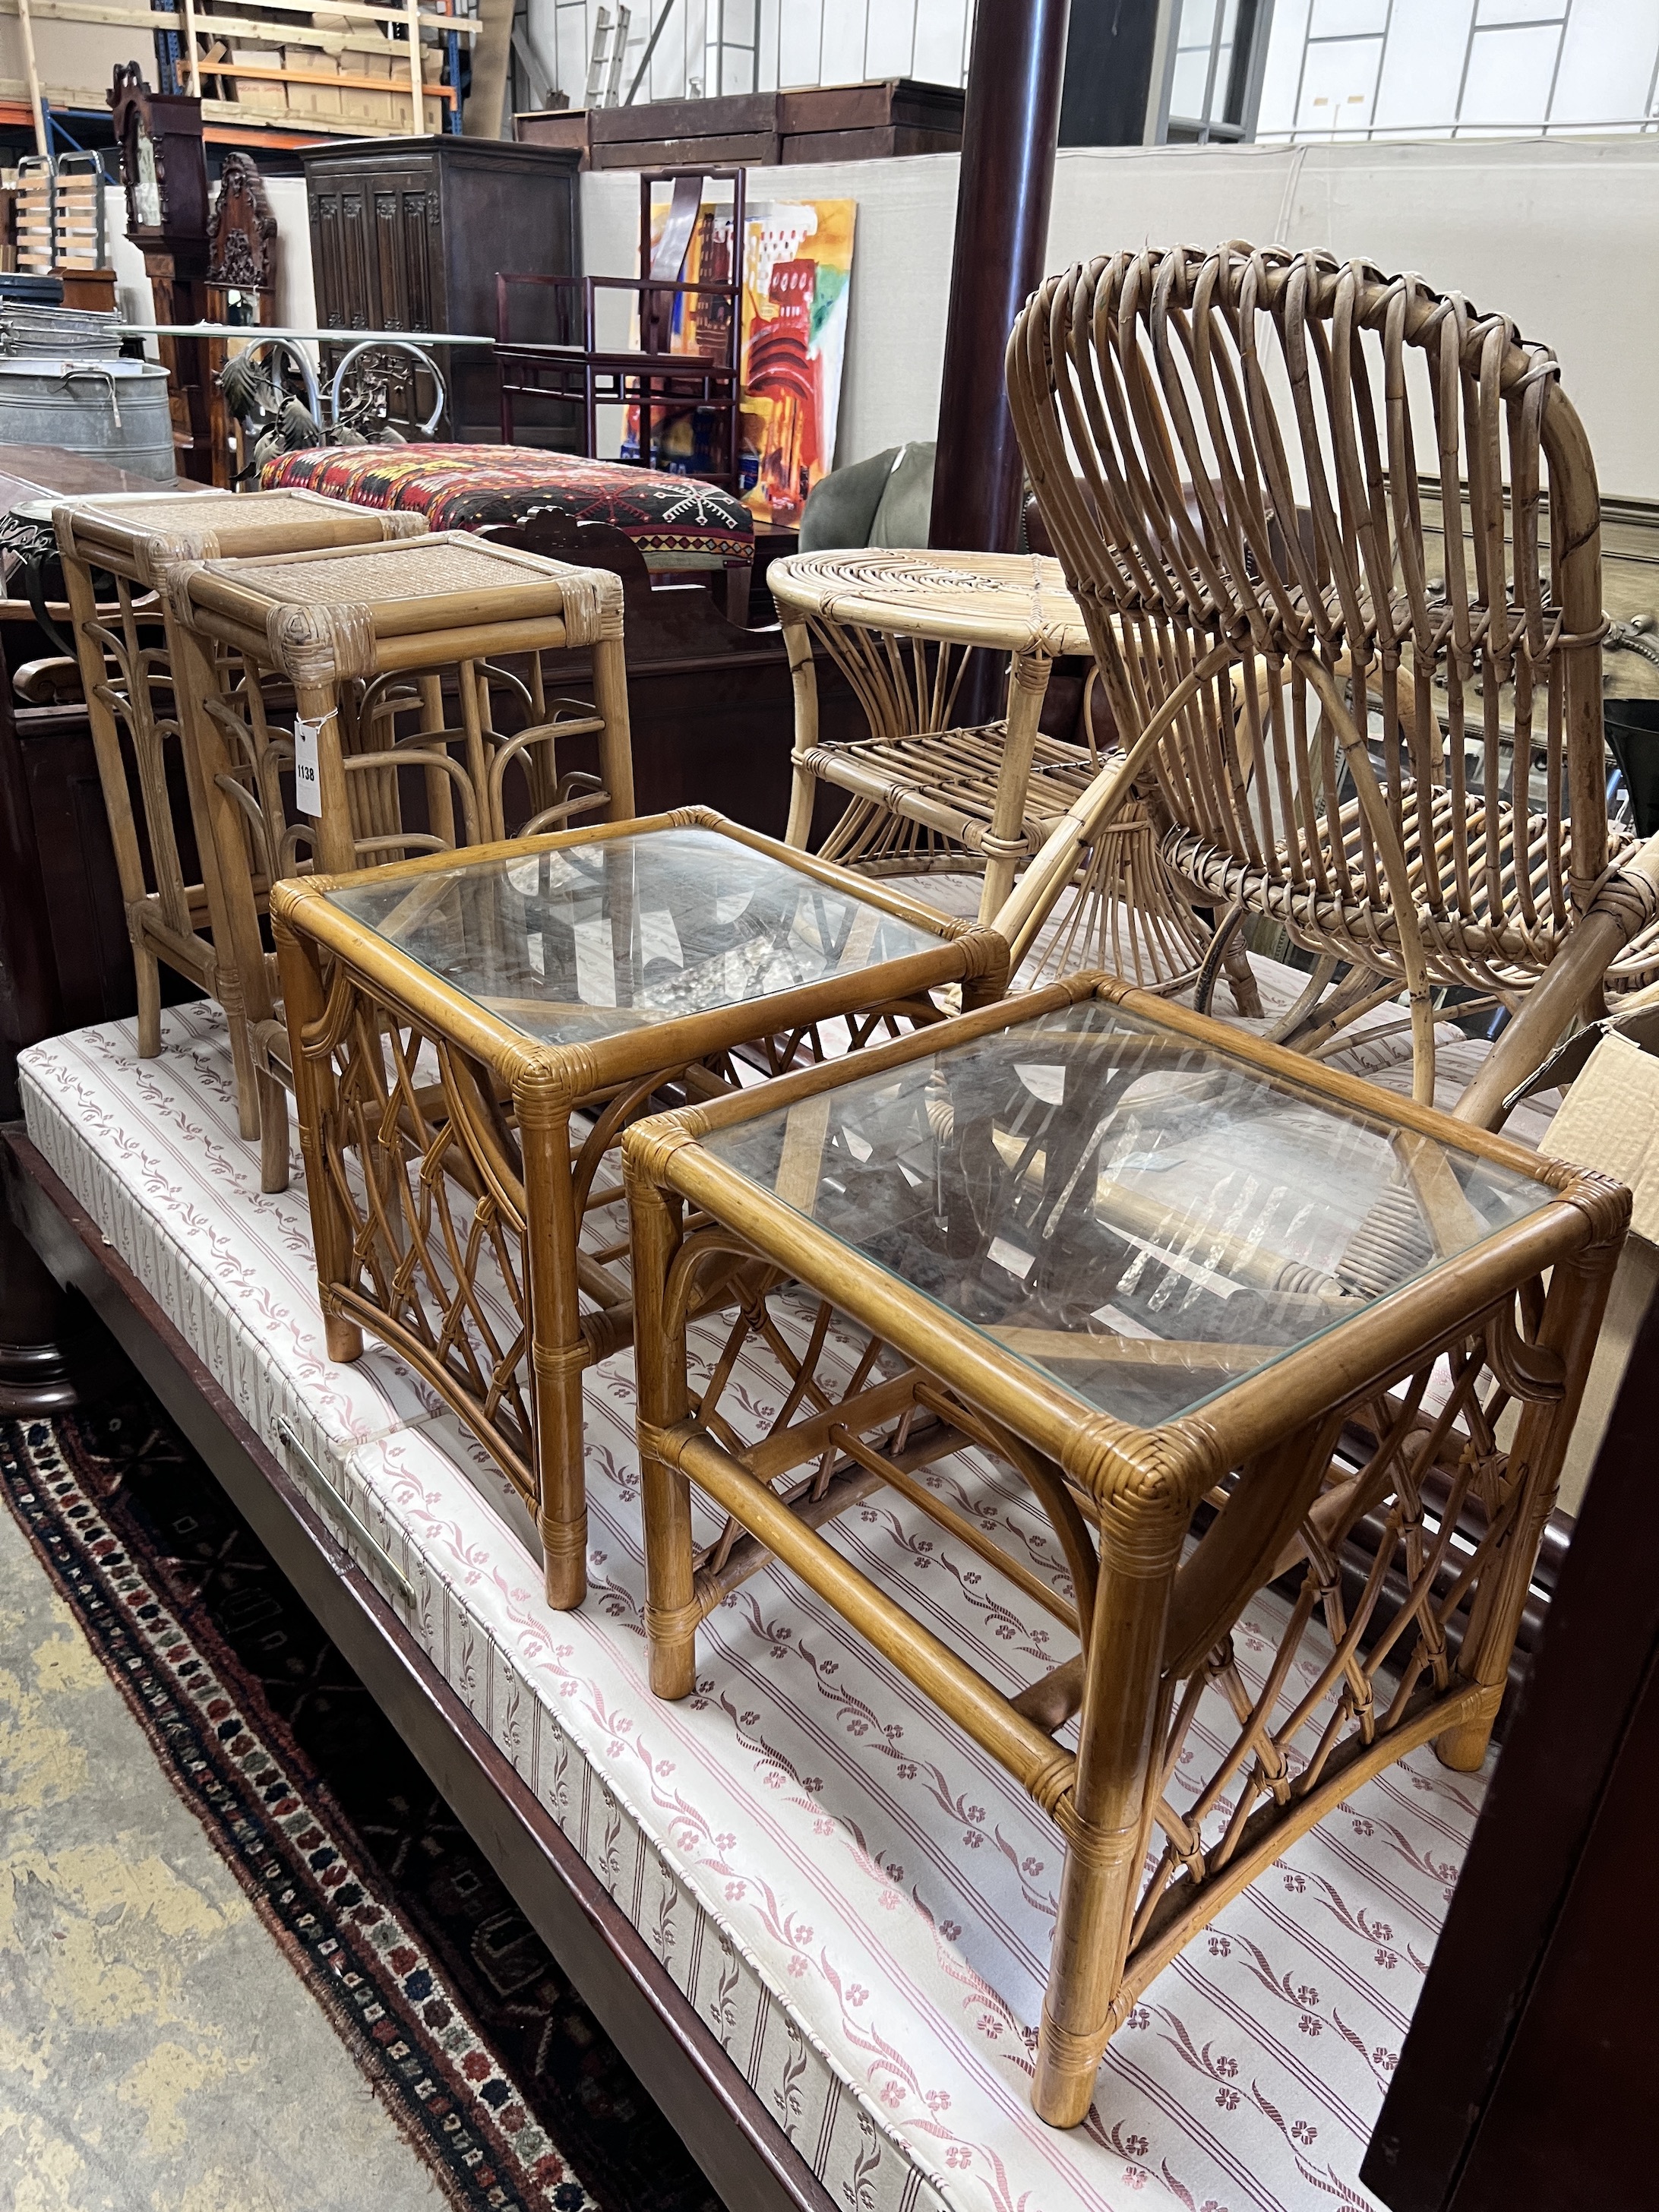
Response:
column 407, row 234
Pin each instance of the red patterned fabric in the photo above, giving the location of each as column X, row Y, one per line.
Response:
column 676, row 522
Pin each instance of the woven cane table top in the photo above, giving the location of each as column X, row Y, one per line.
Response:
column 1015, row 602
column 1136, row 1216
column 571, row 944
column 440, row 567
column 229, row 524
column 161, row 511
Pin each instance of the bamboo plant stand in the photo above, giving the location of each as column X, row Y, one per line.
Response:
column 1214, row 1306
column 926, row 795
column 364, row 638
column 125, row 649
column 470, row 1035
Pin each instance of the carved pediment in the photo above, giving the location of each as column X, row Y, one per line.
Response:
column 242, row 237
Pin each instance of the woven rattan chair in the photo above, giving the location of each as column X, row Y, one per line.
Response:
column 125, row 652
column 369, row 642
column 1235, row 454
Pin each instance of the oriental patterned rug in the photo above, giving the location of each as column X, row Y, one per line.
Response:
column 440, row 1990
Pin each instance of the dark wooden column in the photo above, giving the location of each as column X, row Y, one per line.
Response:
column 1009, row 130
column 1014, row 76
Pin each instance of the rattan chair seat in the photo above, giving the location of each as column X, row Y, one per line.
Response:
column 1484, row 943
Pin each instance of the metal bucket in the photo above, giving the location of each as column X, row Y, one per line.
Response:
column 112, row 410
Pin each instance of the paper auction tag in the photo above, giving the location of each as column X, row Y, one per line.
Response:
column 308, row 777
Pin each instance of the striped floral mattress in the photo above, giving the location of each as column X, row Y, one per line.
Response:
column 855, row 1899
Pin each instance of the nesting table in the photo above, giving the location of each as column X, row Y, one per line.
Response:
column 1214, row 1306
column 471, row 1032
column 127, row 680
column 363, row 638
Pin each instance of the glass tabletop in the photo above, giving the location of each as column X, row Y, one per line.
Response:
column 589, row 940
column 1143, row 1220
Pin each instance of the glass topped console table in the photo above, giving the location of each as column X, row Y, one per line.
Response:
column 472, row 1031
column 1214, row 1306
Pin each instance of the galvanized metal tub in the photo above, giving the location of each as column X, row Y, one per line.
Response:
column 113, row 410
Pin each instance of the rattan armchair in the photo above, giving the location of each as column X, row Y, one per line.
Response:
column 1405, row 769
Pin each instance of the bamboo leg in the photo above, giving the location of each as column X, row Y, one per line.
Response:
column 1241, row 979
column 804, row 681
column 557, row 1350
column 314, row 1102
column 1005, row 841
column 616, row 740
column 440, row 796
column 239, row 956
column 1573, row 1320
column 117, row 801
column 477, row 760
column 671, row 1613
column 228, row 989
column 335, row 847
column 1550, row 1005
column 226, row 977
column 1116, row 1770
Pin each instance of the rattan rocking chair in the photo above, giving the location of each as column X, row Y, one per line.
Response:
column 1399, row 758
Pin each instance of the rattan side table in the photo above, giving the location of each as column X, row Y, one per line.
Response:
column 1217, row 1308
column 365, row 637
column 900, row 625
column 471, row 1033
column 133, row 538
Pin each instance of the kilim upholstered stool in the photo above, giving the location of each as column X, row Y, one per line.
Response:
column 1232, row 1320
column 470, row 1034
column 364, row 639
column 125, row 653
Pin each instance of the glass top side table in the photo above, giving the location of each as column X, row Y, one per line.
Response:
column 470, row 1034
column 1216, row 1308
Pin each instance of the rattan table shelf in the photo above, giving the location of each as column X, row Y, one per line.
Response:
column 364, row 638
column 1214, row 1307
column 132, row 539
column 471, row 1033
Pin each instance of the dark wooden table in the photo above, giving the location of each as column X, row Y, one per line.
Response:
column 1527, row 2077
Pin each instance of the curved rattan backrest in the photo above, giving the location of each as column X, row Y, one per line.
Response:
column 1240, row 449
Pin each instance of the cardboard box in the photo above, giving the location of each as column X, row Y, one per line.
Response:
column 317, row 100
column 1610, row 1120
column 269, row 95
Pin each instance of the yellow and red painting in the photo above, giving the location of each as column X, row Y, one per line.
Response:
column 796, row 269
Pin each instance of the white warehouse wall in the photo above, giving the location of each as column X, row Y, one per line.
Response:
column 1556, row 233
